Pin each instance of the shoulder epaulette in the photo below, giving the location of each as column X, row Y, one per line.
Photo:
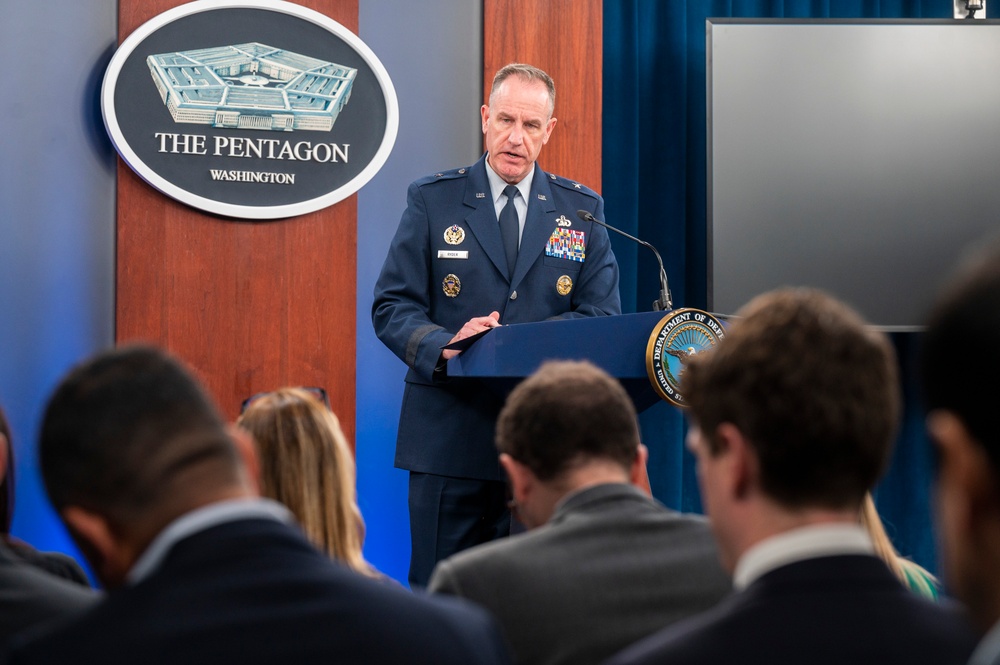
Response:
column 444, row 175
column 571, row 185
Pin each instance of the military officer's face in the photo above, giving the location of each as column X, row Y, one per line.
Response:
column 517, row 123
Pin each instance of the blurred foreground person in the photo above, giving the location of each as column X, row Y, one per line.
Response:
column 793, row 416
column 30, row 596
column 56, row 563
column 961, row 361
column 162, row 500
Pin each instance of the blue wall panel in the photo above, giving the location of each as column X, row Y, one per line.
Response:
column 433, row 52
column 57, row 221
column 57, row 202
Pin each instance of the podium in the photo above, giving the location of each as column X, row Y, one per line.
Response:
column 617, row 344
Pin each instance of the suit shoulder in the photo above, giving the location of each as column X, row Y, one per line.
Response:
column 496, row 559
column 571, row 185
column 443, row 176
column 487, row 554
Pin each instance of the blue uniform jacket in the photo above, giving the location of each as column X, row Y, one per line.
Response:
column 429, row 289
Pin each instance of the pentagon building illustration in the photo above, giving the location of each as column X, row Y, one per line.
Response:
column 251, row 86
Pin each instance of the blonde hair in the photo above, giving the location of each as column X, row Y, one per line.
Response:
column 306, row 464
column 911, row 574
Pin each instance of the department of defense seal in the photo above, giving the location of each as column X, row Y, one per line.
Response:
column 454, row 235
column 681, row 334
column 564, row 285
column 451, row 285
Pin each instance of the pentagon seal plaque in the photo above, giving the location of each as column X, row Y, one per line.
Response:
column 249, row 109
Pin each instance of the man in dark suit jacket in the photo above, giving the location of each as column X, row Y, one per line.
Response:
column 452, row 273
column 31, row 597
column 162, row 501
column 603, row 564
column 793, row 416
column 961, row 361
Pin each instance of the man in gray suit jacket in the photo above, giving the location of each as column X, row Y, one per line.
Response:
column 602, row 564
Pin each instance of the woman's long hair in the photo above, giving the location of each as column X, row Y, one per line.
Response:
column 306, row 464
column 910, row 573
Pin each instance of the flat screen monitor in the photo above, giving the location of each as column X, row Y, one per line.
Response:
column 860, row 157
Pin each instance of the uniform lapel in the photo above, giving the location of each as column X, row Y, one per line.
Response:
column 482, row 219
column 537, row 227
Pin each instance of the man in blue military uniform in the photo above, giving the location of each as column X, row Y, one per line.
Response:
column 495, row 243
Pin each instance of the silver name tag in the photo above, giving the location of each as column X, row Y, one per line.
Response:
column 453, row 254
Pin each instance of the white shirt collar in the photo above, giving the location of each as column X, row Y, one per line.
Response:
column 199, row 520
column 497, row 184
column 988, row 650
column 799, row 544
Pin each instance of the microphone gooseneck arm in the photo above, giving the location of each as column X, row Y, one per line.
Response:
column 663, row 304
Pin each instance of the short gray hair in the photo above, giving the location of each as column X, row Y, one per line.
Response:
column 528, row 73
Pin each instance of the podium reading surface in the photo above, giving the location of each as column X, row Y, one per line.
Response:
column 616, row 344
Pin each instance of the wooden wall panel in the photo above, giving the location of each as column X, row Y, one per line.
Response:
column 252, row 306
column 565, row 38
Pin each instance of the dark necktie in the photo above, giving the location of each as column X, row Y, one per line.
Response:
column 509, row 230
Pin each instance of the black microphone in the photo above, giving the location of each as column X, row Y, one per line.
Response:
column 661, row 305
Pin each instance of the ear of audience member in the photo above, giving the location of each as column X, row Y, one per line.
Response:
column 162, row 498
column 960, row 365
column 307, row 465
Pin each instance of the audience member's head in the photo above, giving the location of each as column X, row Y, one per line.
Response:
column 306, row 464
column 960, row 365
column 129, row 442
column 567, row 426
column 793, row 415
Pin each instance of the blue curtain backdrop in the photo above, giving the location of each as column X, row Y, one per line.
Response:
column 654, row 183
